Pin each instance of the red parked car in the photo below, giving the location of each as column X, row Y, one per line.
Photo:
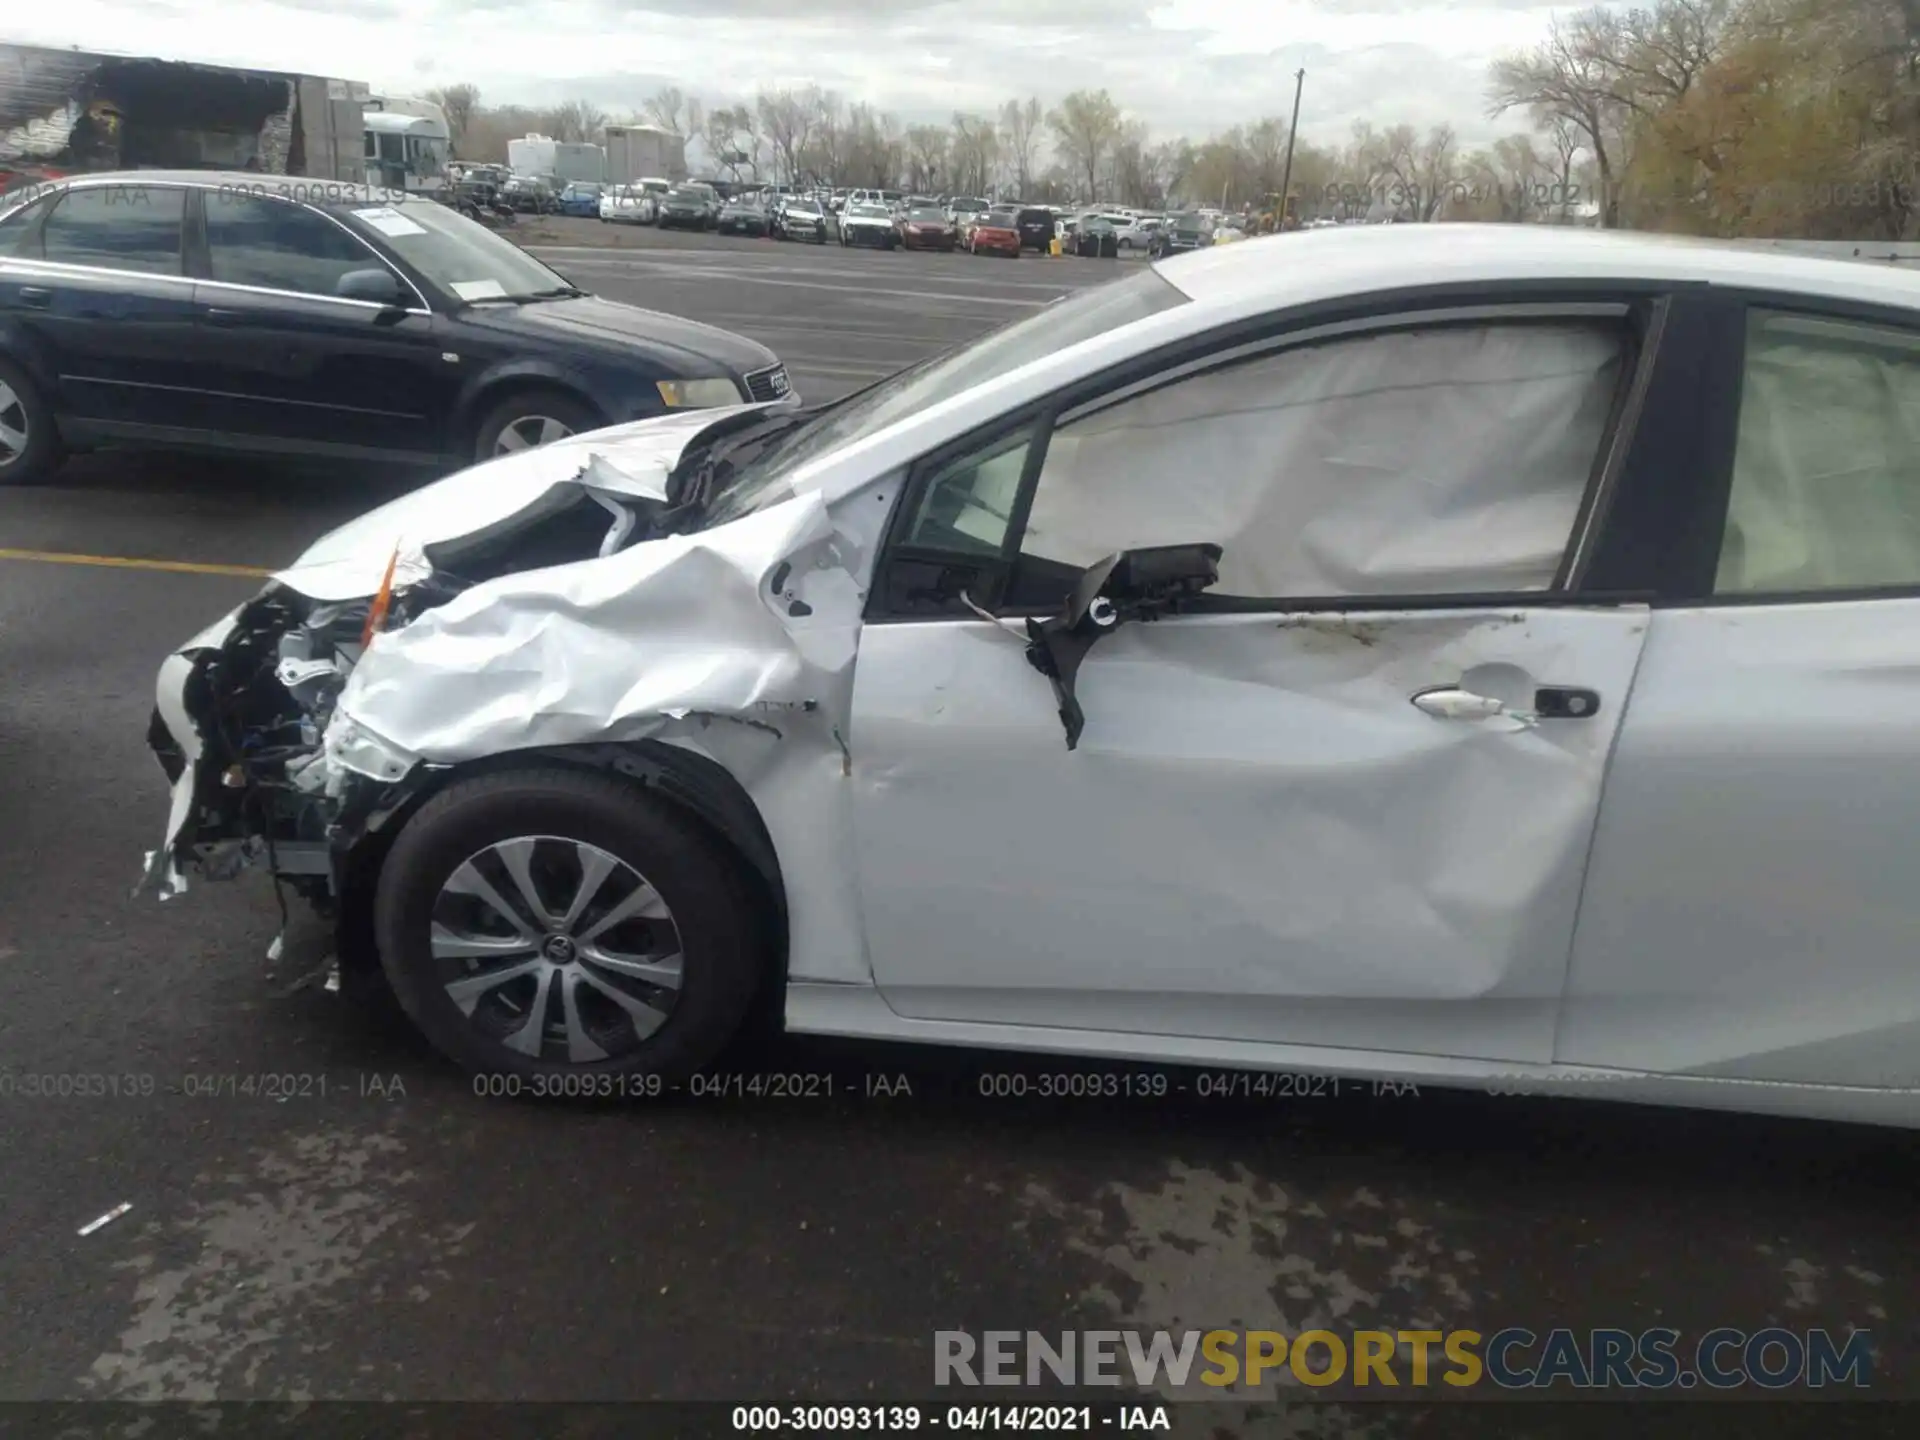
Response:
column 926, row 229
column 996, row 233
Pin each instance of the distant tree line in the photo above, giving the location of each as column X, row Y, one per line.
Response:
column 1721, row 117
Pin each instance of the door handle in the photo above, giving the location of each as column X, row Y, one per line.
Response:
column 216, row 316
column 1550, row 702
column 1450, row 702
column 35, row 298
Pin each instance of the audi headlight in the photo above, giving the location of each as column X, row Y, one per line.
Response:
column 698, row 394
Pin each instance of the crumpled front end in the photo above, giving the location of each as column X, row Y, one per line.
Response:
column 287, row 737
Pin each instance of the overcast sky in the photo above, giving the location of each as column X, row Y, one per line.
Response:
column 1184, row 66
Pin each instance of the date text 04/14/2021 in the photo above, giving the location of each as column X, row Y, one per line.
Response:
column 1044, row 1419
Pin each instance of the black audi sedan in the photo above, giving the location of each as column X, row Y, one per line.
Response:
column 689, row 207
column 743, row 217
column 317, row 319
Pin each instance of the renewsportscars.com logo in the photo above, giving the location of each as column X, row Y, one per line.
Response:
column 1511, row 1359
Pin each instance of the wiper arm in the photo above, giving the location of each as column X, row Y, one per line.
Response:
column 559, row 292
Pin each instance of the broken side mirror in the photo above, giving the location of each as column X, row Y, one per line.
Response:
column 1133, row 585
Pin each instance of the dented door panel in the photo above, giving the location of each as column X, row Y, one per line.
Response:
column 1259, row 837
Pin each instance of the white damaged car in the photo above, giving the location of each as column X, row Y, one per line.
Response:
column 1528, row 699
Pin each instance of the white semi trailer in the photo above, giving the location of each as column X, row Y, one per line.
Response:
column 644, row 152
column 557, row 160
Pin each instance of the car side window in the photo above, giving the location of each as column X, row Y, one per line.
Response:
column 18, row 224
column 967, row 505
column 278, row 245
column 1452, row 459
column 117, row 227
column 1825, row 490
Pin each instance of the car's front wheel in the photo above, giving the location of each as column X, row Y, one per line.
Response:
column 563, row 923
column 531, row 419
column 29, row 443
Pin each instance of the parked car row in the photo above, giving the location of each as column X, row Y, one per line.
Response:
column 872, row 217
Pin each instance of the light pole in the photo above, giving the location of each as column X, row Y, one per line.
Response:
column 1293, row 126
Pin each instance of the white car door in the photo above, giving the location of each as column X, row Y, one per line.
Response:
column 1753, row 905
column 1261, row 835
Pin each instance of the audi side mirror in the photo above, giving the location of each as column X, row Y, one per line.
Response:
column 375, row 286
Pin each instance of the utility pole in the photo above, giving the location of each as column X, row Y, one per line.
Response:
column 1293, row 126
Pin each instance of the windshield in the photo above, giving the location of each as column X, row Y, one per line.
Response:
column 926, row 216
column 459, row 255
column 1080, row 316
column 682, row 193
column 866, row 212
column 1002, row 218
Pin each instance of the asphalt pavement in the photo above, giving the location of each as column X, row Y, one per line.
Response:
column 321, row 1209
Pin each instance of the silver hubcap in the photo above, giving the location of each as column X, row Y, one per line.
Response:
column 13, row 425
column 529, row 432
column 556, row 949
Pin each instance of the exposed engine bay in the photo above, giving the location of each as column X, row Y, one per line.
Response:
column 263, row 701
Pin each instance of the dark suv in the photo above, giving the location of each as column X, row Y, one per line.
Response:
column 317, row 318
column 1188, row 230
column 1035, row 226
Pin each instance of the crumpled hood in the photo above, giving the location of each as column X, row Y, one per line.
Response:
column 635, row 460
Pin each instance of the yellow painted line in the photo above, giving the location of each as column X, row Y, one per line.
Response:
column 124, row 562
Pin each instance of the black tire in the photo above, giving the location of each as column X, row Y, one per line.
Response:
column 42, row 453
column 575, row 414
column 720, row 938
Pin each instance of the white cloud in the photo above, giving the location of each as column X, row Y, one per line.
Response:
column 1184, row 66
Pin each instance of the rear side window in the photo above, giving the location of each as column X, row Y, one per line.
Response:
column 1447, row 460
column 1826, row 485
column 277, row 245
column 117, row 227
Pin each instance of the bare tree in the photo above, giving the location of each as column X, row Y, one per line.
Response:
column 458, row 102
column 1517, row 176
column 1435, row 168
column 873, row 147
column 1266, row 152
column 827, row 150
column 786, row 119
column 1086, row 126
column 576, row 122
column 1168, row 165
column 974, row 153
column 1020, row 122
column 670, row 110
column 1571, row 77
column 732, row 140
column 926, row 156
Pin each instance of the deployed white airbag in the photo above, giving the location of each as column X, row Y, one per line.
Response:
column 1435, row 461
